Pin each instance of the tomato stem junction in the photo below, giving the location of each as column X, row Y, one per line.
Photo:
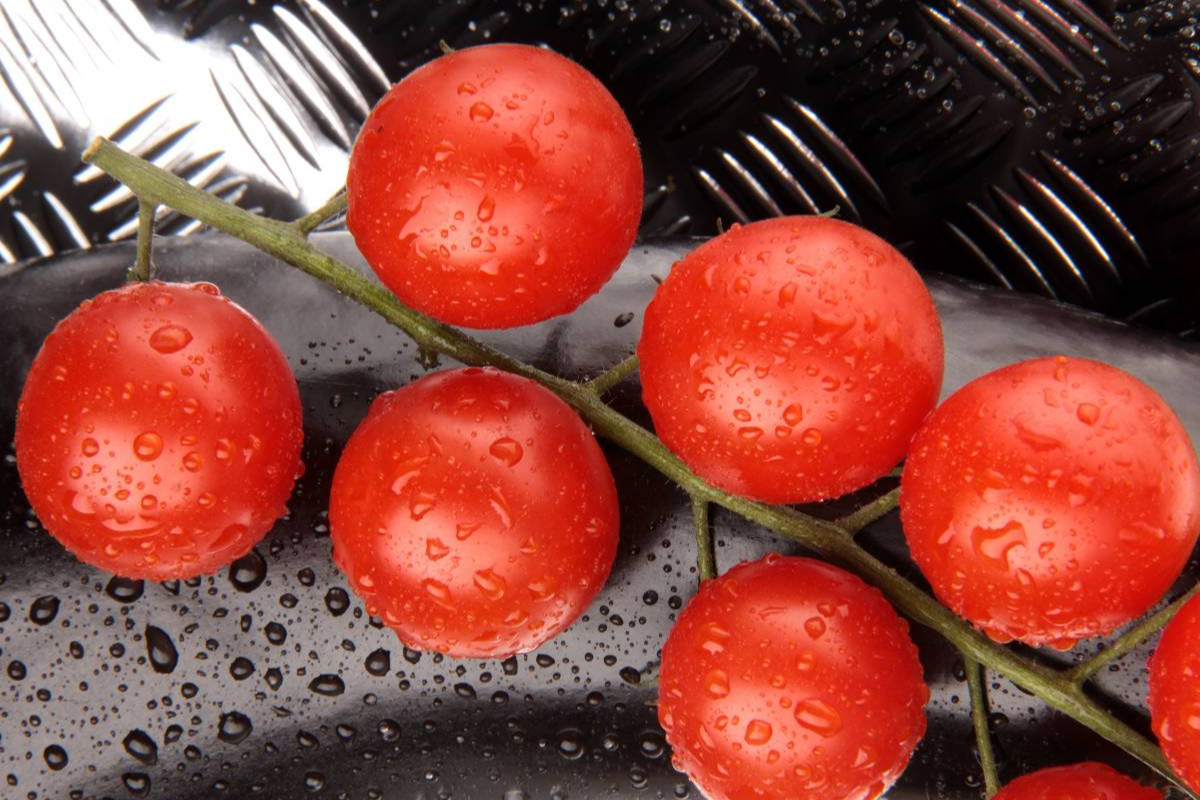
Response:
column 830, row 540
column 706, row 559
column 870, row 512
column 333, row 207
column 143, row 265
column 613, row 375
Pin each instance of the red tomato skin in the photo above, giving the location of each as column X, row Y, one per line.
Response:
column 495, row 186
column 1051, row 500
column 1086, row 781
column 789, row 678
column 474, row 512
column 1175, row 693
column 159, row 430
column 791, row 360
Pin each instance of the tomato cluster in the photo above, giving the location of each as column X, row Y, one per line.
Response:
column 792, row 360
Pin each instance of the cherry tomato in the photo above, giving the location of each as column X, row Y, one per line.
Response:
column 1175, row 693
column 495, row 186
column 158, row 433
column 789, row 678
column 1087, row 781
column 792, row 359
column 474, row 513
column 1051, row 500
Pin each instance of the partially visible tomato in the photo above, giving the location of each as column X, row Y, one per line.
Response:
column 159, row 430
column 495, row 186
column 1175, row 692
column 1051, row 500
column 474, row 513
column 1086, row 781
column 792, row 359
column 789, row 678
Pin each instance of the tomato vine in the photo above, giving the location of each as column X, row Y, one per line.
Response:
column 1061, row 689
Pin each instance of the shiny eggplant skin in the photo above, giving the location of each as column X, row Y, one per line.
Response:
column 268, row 680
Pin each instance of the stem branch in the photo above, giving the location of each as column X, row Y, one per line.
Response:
column 309, row 222
column 705, row 557
column 827, row 539
column 613, row 375
column 878, row 508
column 143, row 265
column 979, row 716
column 1129, row 640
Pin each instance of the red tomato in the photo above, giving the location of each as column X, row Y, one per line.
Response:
column 1175, row 693
column 158, row 433
column 495, row 186
column 789, row 678
column 474, row 512
column 792, row 359
column 1051, row 500
column 1087, row 781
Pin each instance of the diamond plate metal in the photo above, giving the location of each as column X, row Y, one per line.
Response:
column 1046, row 145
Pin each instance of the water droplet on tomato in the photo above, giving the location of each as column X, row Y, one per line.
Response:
column 811, row 437
column 815, row 627
column 487, row 208
column 997, row 544
column 793, row 414
column 170, row 339
column 147, row 445
column 716, row 683
column 758, row 732
column 490, row 584
column 819, row 717
column 421, row 504
column 480, row 112
column 435, row 549
column 1088, row 413
column 543, row 589
column 89, row 447
column 439, row 591
column 507, row 450
column 193, row 462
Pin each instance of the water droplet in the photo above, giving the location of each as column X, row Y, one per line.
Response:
column 487, row 208
column 273, row 677
column 234, row 727
column 714, row 638
column 337, row 600
column 758, row 732
column 507, row 450
column 89, row 447
column 439, row 591
column 1088, row 413
column 248, row 572
column 314, row 781
column 241, row 668
column 435, row 549
column 793, row 414
column 571, row 744
column 139, row 745
column 163, row 655
column 480, row 112
column 492, row 585
column 814, row 627
column 811, row 437
column 170, row 339
column 276, row 633
column 997, row 544
column 328, row 685
column 56, row 757
column 819, row 717
column 379, row 662
column 716, row 683
column 136, row 783
column 43, row 610
column 16, row 670
column 147, row 446
column 193, row 462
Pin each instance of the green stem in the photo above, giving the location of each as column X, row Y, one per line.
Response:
column 309, row 222
column 613, row 375
column 1127, row 641
column 979, row 716
column 143, row 265
column 872, row 511
column 706, row 558
column 152, row 184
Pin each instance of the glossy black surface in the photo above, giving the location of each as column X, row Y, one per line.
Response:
column 268, row 680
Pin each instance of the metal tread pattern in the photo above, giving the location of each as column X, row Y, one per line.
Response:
column 1043, row 145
